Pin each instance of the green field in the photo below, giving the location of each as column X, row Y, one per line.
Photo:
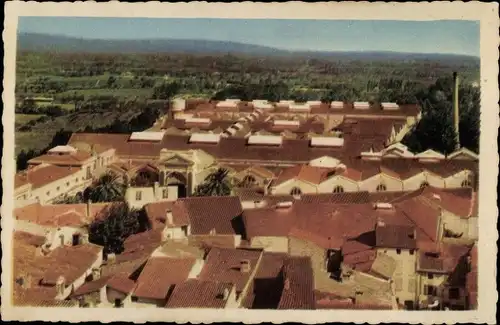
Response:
column 32, row 140
column 25, row 118
column 125, row 93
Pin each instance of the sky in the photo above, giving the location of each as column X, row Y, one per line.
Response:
column 451, row 36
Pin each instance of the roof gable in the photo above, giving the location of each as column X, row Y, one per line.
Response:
column 464, row 154
column 177, row 160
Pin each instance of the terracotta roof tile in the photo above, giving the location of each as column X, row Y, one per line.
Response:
column 395, row 236
column 58, row 215
column 160, row 274
column 307, row 173
column 225, row 265
column 73, row 159
column 423, row 216
column 298, row 289
column 91, row 286
column 361, row 197
column 43, row 175
column 157, row 213
column 198, row 294
column 268, row 221
column 71, row 262
column 222, row 211
column 121, row 282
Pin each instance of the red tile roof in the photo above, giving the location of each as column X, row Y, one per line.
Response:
column 42, row 175
column 121, row 282
column 70, row 262
column 306, row 173
column 91, row 286
column 224, row 265
column 160, row 274
column 198, row 294
column 423, row 216
column 60, row 215
column 298, row 288
column 157, row 213
column 222, row 211
column 72, row 159
column 268, row 221
column 395, row 236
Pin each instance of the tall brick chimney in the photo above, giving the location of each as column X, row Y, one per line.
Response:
column 456, row 110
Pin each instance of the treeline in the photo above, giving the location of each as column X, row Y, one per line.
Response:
column 60, row 138
column 436, row 128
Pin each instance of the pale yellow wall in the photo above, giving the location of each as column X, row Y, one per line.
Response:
column 371, row 183
column 286, row 187
column 149, row 195
column 423, row 279
column 414, row 183
column 298, row 247
column 328, row 185
column 112, row 294
column 455, row 181
column 270, row 244
column 405, row 277
column 68, row 185
column 173, row 233
column 231, row 300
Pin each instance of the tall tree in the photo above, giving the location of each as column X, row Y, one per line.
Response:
column 215, row 184
column 116, row 225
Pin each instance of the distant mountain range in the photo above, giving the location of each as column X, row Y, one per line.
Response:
column 45, row 43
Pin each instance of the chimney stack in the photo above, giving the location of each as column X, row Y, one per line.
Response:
column 170, row 217
column 456, row 111
column 89, row 204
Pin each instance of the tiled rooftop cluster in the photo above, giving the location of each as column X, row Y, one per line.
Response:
column 182, row 274
column 328, row 211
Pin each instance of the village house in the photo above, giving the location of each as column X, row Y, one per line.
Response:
column 59, row 224
column 44, row 183
column 41, row 278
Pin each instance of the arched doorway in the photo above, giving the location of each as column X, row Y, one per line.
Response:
column 145, row 177
column 179, row 180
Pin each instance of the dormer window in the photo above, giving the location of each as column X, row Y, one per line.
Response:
column 381, row 188
column 466, row 183
column 295, row 191
column 424, row 184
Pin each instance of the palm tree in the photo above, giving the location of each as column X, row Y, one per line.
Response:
column 215, row 184
column 106, row 189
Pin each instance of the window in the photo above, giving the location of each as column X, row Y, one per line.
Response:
column 165, row 193
column 48, row 193
column 138, row 195
column 398, row 251
column 58, row 188
column 430, row 276
column 338, row 189
column 381, row 188
column 454, row 293
column 67, row 184
column 295, row 191
column 76, row 180
column 249, row 180
column 466, row 183
column 412, row 251
column 424, row 184
column 430, row 290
